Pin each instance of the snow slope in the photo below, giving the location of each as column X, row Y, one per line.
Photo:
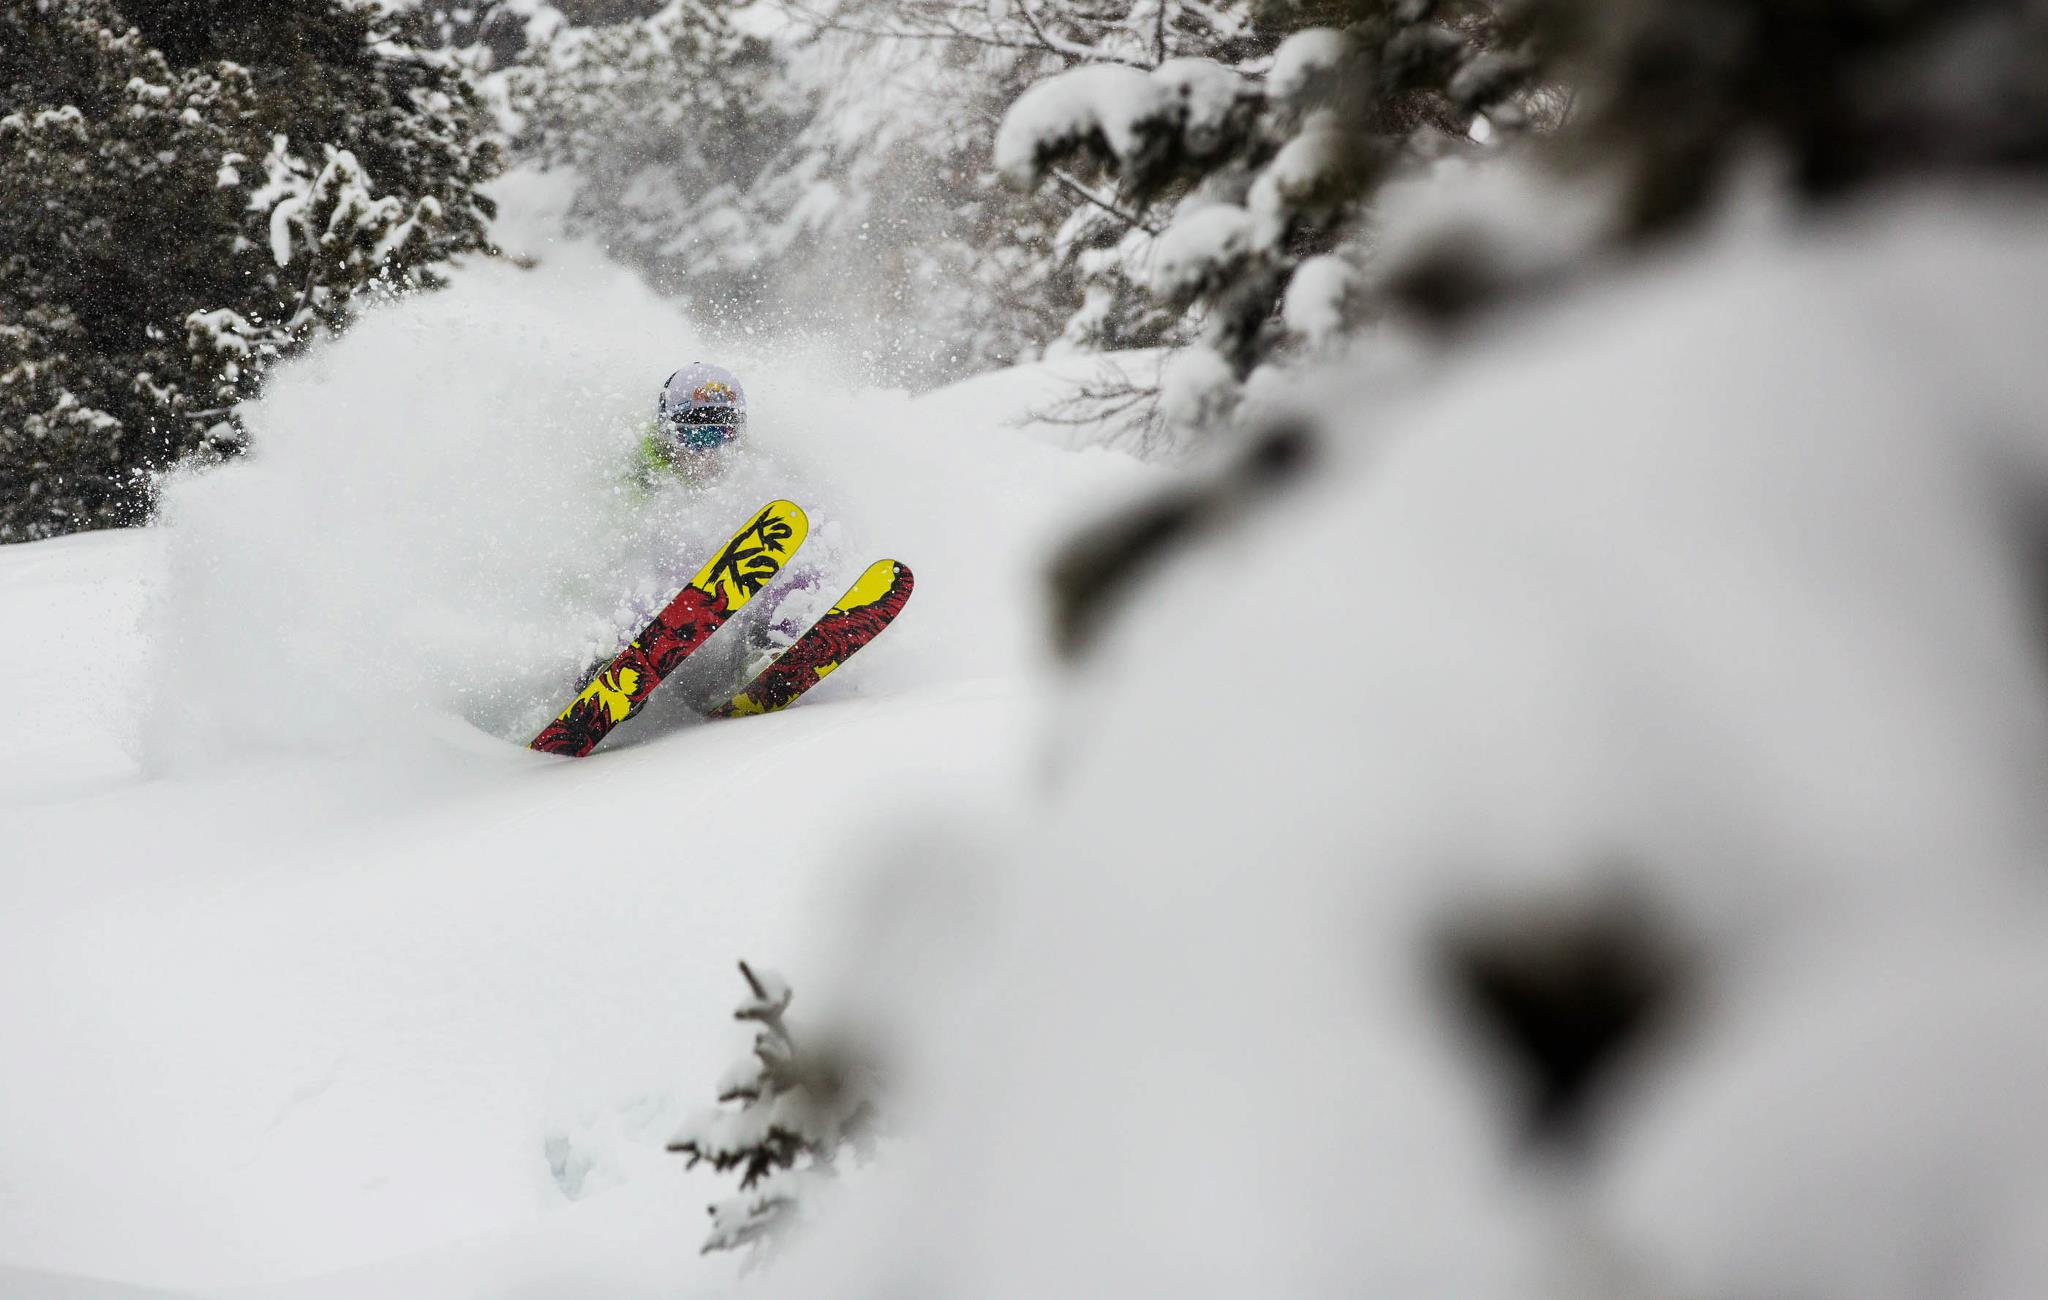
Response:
column 303, row 967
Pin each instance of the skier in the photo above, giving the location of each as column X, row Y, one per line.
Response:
column 689, row 465
column 698, row 421
column 695, row 442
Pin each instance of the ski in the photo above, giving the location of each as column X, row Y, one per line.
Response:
column 727, row 581
column 868, row 606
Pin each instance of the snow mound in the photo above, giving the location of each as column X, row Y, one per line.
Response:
column 1305, row 60
column 1105, row 99
column 1314, row 307
column 1202, row 94
column 1867, row 1123
column 1200, row 251
column 1124, row 110
column 1309, row 162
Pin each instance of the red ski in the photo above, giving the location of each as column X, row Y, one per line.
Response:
column 870, row 605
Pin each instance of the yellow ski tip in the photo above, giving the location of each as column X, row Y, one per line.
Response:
column 873, row 584
column 755, row 554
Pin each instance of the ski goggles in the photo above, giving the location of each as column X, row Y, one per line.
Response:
column 705, row 428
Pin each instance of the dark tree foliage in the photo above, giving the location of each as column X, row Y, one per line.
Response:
column 597, row 13
column 1843, row 93
column 1672, row 101
column 189, row 190
column 490, row 34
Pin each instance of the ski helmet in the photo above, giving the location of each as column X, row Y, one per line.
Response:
column 702, row 407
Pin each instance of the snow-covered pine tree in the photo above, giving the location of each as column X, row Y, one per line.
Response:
column 1095, row 234
column 920, row 234
column 1220, row 182
column 792, row 183
column 189, row 191
column 922, row 166
column 789, row 1110
column 670, row 122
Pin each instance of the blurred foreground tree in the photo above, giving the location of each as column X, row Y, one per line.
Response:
column 1231, row 202
column 1837, row 95
column 1681, row 109
column 1663, row 114
column 189, row 191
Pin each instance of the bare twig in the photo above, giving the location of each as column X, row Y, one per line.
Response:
column 1077, row 189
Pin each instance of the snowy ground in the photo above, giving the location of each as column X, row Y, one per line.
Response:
column 312, row 986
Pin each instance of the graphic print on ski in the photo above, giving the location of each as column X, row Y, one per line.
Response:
column 727, row 581
column 868, row 606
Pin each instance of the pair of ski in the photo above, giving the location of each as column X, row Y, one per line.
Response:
column 749, row 562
